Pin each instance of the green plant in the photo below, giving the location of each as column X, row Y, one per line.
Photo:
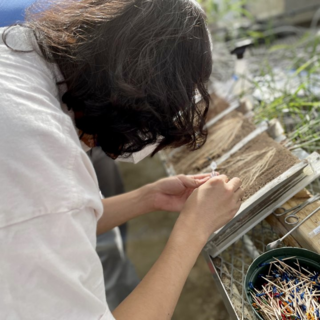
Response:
column 284, row 75
column 296, row 103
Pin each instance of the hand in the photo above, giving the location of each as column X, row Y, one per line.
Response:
column 170, row 194
column 212, row 205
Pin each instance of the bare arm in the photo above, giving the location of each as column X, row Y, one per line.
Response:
column 157, row 294
column 168, row 194
column 124, row 207
column 207, row 209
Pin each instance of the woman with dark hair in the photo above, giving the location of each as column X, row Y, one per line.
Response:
column 122, row 74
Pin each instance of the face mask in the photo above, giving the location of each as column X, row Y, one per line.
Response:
column 133, row 157
column 86, row 140
column 138, row 156
column 84, row 146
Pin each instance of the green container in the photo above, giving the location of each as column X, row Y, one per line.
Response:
column 307, row 259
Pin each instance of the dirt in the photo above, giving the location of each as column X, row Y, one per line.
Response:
column 191, row 162
column 216, row 106
column 281, row 162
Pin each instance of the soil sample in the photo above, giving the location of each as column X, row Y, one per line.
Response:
column 257, row 163
column 216, row 106
column 222, row 137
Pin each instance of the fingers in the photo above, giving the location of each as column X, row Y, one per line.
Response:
column 200, row 176
column 195, row 181
column 192, row 182
column 239, row 194
column 214, row 174
column 222, row 177
column 235, row 183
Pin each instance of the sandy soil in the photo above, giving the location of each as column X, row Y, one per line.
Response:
column 238, row 164
column 194, row 162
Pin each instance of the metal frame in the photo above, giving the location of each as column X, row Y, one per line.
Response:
column 255, row 209
column 230, row 267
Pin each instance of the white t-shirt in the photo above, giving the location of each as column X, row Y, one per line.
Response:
column 49, row 198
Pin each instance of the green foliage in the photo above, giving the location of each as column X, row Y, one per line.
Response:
column 298, row 110
column 294, row 99
column 218, row 11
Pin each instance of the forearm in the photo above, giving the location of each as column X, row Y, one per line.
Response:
column 122, row 208
column 207, row 209
column 157, row 294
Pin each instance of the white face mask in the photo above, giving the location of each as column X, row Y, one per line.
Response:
column 133, row 157
column 138, row 156
column 84, row 146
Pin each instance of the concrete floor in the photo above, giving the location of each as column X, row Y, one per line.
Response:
column 147, row 236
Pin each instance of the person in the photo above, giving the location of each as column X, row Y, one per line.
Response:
column 121, row 277
column 122, row 75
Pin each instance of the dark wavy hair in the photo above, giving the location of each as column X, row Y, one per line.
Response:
column 132, row 68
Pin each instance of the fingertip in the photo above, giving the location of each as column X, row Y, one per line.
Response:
column 200, row 176
column 203, row 180
column 235, row 183
column 223, row 177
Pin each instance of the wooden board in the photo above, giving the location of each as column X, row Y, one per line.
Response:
column 300, row 237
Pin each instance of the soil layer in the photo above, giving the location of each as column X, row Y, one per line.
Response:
column 191, row 162
column 216, row 106
column 280, row 163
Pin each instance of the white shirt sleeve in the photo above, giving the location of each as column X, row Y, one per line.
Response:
column 50, row 269
column 49, row 199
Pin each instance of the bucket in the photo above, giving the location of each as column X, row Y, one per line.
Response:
column 307, row 259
